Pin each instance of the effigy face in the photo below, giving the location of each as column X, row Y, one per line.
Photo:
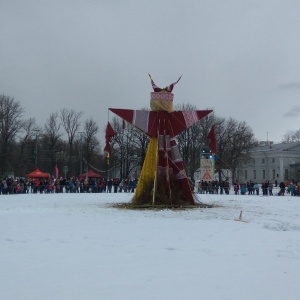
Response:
column 162, row 101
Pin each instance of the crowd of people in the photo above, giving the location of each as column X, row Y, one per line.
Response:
column 66, row 185
column 213, row 187
column 266, row 188
column 115, row 185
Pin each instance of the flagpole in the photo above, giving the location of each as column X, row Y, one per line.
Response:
column 168, row 167
column 156, row 164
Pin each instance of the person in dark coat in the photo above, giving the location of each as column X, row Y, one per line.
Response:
column 116, row 182
column 109, row 185
column 282, row 188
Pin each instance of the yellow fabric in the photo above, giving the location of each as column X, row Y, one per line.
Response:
column 149, row 169
column 157, row 105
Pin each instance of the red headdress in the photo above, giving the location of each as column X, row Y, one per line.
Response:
column 168, row 88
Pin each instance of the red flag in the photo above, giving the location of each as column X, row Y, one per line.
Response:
column 212, row 140
column 107, row 139
column 56, row 171
column 107, row 147
column 109, row 131
column 108, row 135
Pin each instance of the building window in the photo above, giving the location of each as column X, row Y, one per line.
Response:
column 246, row 174
column 273, row 174
column 262, row 160
column 273, row 159
column 263, row 174
column 254, row 174
column 286, row 174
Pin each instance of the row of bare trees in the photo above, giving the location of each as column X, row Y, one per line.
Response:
column 63, row 140
column 68, row 141
column 234, row 140
column 292, row 136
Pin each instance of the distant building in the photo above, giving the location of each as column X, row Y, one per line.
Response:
column 272, row 162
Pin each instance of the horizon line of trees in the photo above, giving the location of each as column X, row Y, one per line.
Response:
column 24, row 145
column 292, row 136
column 65, row 139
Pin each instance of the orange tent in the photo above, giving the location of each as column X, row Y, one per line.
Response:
column 90, row 174
column 38, row 174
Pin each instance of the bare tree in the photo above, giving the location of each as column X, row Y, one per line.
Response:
column 127, row 149
column 91, row 142
column 51, row 140
column 11, row 124
column 291, row 136
column 24, row 152
column 234, row 140
column 70, row 120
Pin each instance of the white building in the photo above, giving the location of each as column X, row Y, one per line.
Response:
column 272, row 162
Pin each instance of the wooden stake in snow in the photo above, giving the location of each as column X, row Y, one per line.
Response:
column 241, row 218
column 241, row 214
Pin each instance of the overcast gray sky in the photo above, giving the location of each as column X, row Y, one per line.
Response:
column 241, row 58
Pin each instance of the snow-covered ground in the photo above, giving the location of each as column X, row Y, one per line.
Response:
column 75, row 246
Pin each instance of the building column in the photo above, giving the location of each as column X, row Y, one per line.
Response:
column 281, row 170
